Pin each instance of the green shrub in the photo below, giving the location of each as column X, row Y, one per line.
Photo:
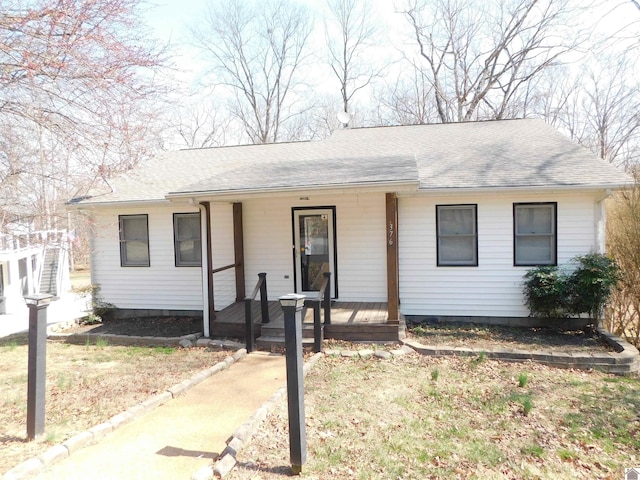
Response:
column 544, row 292
column 590, row 285
column 549, row 292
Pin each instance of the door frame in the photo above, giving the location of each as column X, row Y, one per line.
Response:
column 295, row 248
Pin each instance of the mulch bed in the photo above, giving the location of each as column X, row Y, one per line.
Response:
column 148, row 327
column 481, row 336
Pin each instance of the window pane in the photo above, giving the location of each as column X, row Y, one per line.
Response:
column 134, row 238
column 457, row 238
column 187, row 239
column 457, row 250
column 136, row 252
column 134, row 228
column 189, row 251
column 188, row 227
column 537, row 219
column 534, row 249
column 452, row 221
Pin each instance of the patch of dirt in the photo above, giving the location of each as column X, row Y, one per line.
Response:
column 489, row 337
column 144, row 327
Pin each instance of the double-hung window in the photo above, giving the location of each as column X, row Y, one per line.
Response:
column 186, row 235
column 134, row 240
column 534, row 234
column 457, row 232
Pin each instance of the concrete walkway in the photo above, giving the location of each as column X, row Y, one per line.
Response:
column 182, row 436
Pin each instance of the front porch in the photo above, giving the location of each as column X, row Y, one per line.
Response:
column 351, row 321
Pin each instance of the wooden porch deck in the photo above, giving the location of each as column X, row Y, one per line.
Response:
column 355, row 321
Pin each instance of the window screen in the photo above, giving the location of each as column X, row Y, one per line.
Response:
column 457, row 235
column 534, row 234
column 186, row 231
column 134, row 241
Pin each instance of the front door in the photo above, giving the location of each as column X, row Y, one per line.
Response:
column 314, row 247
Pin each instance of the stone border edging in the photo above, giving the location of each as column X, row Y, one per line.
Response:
column 184, row 341
column 625, row 361
column 241, row 437
column 37, row 465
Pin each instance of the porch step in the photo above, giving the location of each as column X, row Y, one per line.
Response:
column 267, row 343
column 373, row 332
column 277, row 330
column 48, row 278
column 272, row 335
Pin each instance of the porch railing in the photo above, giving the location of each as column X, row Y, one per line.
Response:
column 261, row 287
column 22, row 241
column 323, row 299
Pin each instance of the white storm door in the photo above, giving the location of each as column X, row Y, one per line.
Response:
column 314, row 248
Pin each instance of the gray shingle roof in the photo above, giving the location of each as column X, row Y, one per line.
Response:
column 491, row 154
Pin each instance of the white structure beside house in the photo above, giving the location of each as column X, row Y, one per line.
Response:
column 32, row 262
column 438, row 221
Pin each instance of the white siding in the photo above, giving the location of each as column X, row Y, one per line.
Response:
column 494, row 287
column 162, row 285
column 224, row 283
column 360, row 245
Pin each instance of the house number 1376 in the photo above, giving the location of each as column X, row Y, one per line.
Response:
column 390, row 234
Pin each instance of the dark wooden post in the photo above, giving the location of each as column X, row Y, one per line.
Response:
column 292, row 307
column 264, row 300
column 37, row 363
column 238, row 250
column 248, row 330
column 317, row 327
column 393, row 281
column 327, row 299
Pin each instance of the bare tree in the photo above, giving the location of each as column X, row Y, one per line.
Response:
column 480, row 56
column 76, row 77
column 408, row 101
column 200, row 125
column 350, row 33
column 256, row 49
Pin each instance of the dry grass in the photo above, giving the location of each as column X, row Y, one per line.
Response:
column 86, row 385
column 419, row 417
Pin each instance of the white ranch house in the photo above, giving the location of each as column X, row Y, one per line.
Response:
column 432, row 221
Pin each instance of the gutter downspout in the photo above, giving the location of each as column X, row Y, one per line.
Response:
column 601, row 223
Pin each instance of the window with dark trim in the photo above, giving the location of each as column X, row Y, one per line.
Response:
column 457, row 235
column 186, row 236
column 134, row 240
column 534, row 234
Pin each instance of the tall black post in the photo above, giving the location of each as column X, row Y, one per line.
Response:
column 37, row 367
column 292, row 307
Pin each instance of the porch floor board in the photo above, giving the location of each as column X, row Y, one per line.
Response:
column 347, row 318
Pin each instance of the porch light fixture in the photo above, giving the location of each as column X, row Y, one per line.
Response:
column 304, row 198
column 38, row 300
column 292, row 300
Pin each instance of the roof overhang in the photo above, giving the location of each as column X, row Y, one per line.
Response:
column 122, row 203
column 236, row 195
column 451, row 191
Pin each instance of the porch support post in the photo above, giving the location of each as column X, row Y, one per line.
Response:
column 238, row 250
column 209, row 267
column 393, row 288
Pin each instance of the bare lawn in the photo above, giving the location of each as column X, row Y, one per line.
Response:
column 410, row 417
column 86, row 385
column 417, row 417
